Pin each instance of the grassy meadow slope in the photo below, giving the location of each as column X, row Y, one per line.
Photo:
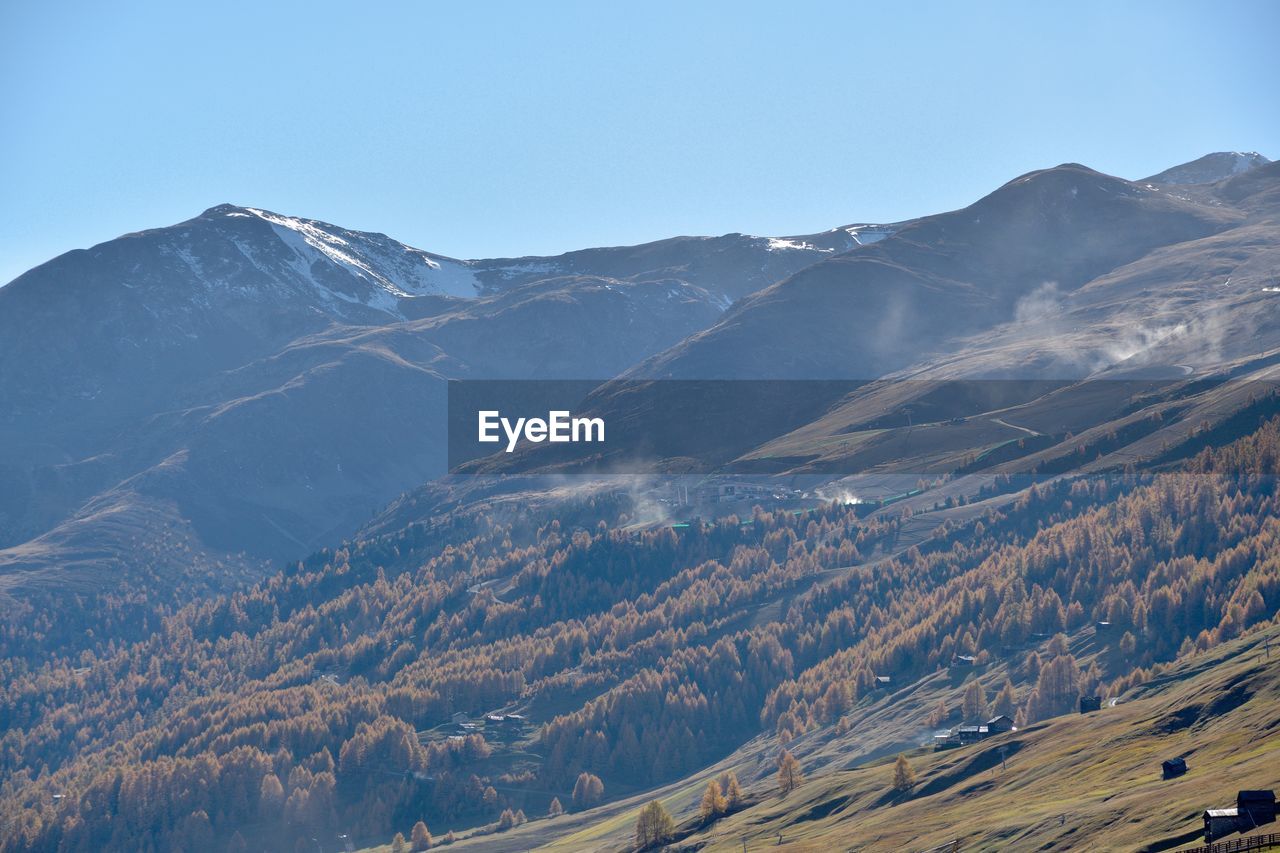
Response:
column 1071, row 783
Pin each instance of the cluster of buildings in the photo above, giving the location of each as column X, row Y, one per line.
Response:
column 729, row 491
column 1252, row 809
column 503, row 722
column 967, row 734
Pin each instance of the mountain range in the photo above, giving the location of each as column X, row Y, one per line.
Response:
column 248, row 386
column 250, row 382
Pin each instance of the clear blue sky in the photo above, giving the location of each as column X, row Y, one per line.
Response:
column 484, row 129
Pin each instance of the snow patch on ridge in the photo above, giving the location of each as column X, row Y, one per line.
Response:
column 776, row 244
column 865, row 235
column 395, row 271
column 1245, row 160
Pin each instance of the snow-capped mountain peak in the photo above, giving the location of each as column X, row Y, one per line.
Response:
column 1210, row 168
column 394, row 270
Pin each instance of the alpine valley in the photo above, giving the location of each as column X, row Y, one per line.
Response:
column 247, row 608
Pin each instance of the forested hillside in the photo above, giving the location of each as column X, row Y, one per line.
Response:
column 319, row 702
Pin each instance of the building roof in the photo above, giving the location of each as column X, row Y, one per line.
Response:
column 1268, row 796
column 1231, row 812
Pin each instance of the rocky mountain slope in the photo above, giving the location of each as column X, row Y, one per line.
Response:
column 730, row 266
column 1038, row 315
column 910, row 297
column 252, row 383
column 1210, row 168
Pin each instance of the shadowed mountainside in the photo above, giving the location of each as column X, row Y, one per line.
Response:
column 260, row 384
